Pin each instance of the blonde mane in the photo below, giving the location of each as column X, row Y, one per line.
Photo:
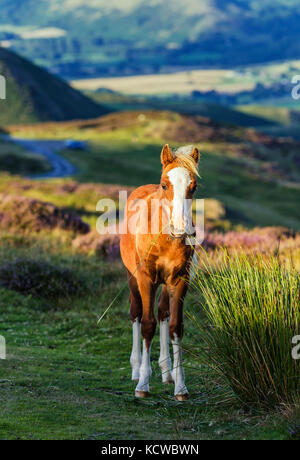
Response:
column 185, row 160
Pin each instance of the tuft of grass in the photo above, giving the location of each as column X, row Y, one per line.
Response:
column 251, row 307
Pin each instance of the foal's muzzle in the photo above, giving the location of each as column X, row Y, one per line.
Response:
column 175, row 233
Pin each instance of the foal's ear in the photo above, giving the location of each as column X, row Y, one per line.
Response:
column 166, row 155
column 195, row 154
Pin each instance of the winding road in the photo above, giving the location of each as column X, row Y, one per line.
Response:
column 61, row 167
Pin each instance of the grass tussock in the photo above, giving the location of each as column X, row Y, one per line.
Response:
column 252, row 312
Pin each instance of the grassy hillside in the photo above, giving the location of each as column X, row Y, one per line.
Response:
column 67, row 377
column 255, row 177
column 32, row 94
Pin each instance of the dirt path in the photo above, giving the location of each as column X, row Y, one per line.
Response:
column 61, row 167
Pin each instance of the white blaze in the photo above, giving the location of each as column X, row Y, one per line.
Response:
column 180, row 179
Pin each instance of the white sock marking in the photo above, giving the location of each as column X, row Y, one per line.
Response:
column 136, row 358
column 178, row 373
column 164, row 361
column 145, row 369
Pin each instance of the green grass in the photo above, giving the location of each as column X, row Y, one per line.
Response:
column 32, row 94
column 118, row 161
column 66, row 377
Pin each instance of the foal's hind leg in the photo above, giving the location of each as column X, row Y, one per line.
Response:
column 176, row 333
column 164, row 361
column 135, row 316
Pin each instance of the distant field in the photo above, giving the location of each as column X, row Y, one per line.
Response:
column 179, row 82
column 221, row 80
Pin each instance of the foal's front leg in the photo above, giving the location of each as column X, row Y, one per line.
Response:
column 177, row 295
column 180, row 392
column 148, row 325
column 135, row 315
column 135, row 358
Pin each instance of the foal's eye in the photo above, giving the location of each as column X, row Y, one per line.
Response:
column 164, row 186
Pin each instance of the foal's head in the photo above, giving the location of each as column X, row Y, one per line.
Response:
column 178, row 183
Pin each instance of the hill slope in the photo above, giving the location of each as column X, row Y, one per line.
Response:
column 148, row 35
column 32, row 94
column 255, row 177
column 219, row 113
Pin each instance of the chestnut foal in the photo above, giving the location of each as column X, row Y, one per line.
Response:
column 160, row 257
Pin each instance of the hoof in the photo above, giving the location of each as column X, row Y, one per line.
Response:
column 141, row 394
column 184, row 397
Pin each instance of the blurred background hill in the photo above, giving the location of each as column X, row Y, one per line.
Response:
column 200, row 58
column 77, row 38
column 32, row 94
